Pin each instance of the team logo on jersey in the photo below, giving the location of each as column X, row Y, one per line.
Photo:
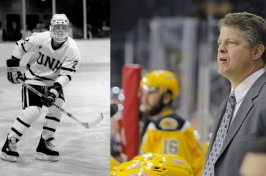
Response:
column 168, row 123
column 52, row 63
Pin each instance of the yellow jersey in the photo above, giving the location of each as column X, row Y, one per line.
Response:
column 171, row 134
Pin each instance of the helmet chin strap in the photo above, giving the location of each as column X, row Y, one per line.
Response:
column 57, row 39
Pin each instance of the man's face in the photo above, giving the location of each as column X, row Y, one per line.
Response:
column 60, row 30
column 234, row 54
column 151, row 99
column 253, row 165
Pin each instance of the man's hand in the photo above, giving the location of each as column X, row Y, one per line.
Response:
column 13, row 73
column 50, row 98
column 52, row 95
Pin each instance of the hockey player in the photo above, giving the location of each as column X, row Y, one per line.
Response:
column 153, row 165
column 167, row 133
column 56, row 58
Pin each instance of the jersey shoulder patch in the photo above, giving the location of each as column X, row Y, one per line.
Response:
column 168, row 123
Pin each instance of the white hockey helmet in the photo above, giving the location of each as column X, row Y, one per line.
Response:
column 59, row 27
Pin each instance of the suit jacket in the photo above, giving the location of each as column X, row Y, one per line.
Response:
column 248, row 125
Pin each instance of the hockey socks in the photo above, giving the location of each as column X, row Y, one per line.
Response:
column 9, row 152
column 45, row 150
column 18, row 128
column 49, row 126
column 23, row 122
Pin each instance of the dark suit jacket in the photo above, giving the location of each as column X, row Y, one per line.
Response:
column 248, row 125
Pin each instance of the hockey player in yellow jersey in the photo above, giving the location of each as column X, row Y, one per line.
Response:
column 56, row 58
column 167, row 133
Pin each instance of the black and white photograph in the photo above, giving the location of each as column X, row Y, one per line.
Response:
column 55, row 87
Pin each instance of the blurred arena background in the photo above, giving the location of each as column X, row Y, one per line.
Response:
column 83, row 152
column 180, row 36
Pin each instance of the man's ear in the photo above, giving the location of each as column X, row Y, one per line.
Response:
column 167, row 98
column 258, row 51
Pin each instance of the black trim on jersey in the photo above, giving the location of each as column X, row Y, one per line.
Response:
column 36, row 79
column 68, row 69
column 179, row 120
column 69, row 77
column 52, row 118
column 50, row 129
column 56, row 48
column 24, row 98
column 16, row 131
column 25, row 124
column 23, row 47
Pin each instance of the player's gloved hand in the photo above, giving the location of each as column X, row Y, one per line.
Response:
column 50, row 99
column 52, row 95
column 13, row 73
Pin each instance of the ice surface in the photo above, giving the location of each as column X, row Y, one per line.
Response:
column 82, row 151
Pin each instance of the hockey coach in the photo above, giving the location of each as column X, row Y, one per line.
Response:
column 241, row 118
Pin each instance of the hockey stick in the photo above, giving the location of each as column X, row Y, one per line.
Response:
column 84, row 124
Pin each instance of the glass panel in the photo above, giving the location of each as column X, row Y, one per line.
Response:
column 73, row 9
column 38, row 16
column 10, row 20
column 98, row 18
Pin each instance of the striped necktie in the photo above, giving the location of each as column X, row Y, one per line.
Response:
column 221, row 133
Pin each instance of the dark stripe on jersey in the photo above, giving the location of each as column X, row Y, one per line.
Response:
column 18, row 133
column 68, row 69
column 43, row 78
column 36, row 79
column 69, row 77
column 25, row 124
column 50, row 129
column 24, row 97
column 52, row 118
column 23, row 47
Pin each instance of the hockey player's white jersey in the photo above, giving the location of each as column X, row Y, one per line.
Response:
column 48, row 65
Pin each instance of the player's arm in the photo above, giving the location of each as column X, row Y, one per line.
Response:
column 22, row 46
column 27, row 45
column 69, row 67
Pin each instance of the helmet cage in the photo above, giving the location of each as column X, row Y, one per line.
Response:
column 59, row 27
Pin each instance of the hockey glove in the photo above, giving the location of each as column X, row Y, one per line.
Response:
column 13, row 73
column 52, row 95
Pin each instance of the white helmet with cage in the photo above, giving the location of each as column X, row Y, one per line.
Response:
column 59, row 27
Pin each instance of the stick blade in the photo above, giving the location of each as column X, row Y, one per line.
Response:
column 95, row 121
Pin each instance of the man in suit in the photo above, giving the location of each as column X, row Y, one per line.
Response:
column 241, row 118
